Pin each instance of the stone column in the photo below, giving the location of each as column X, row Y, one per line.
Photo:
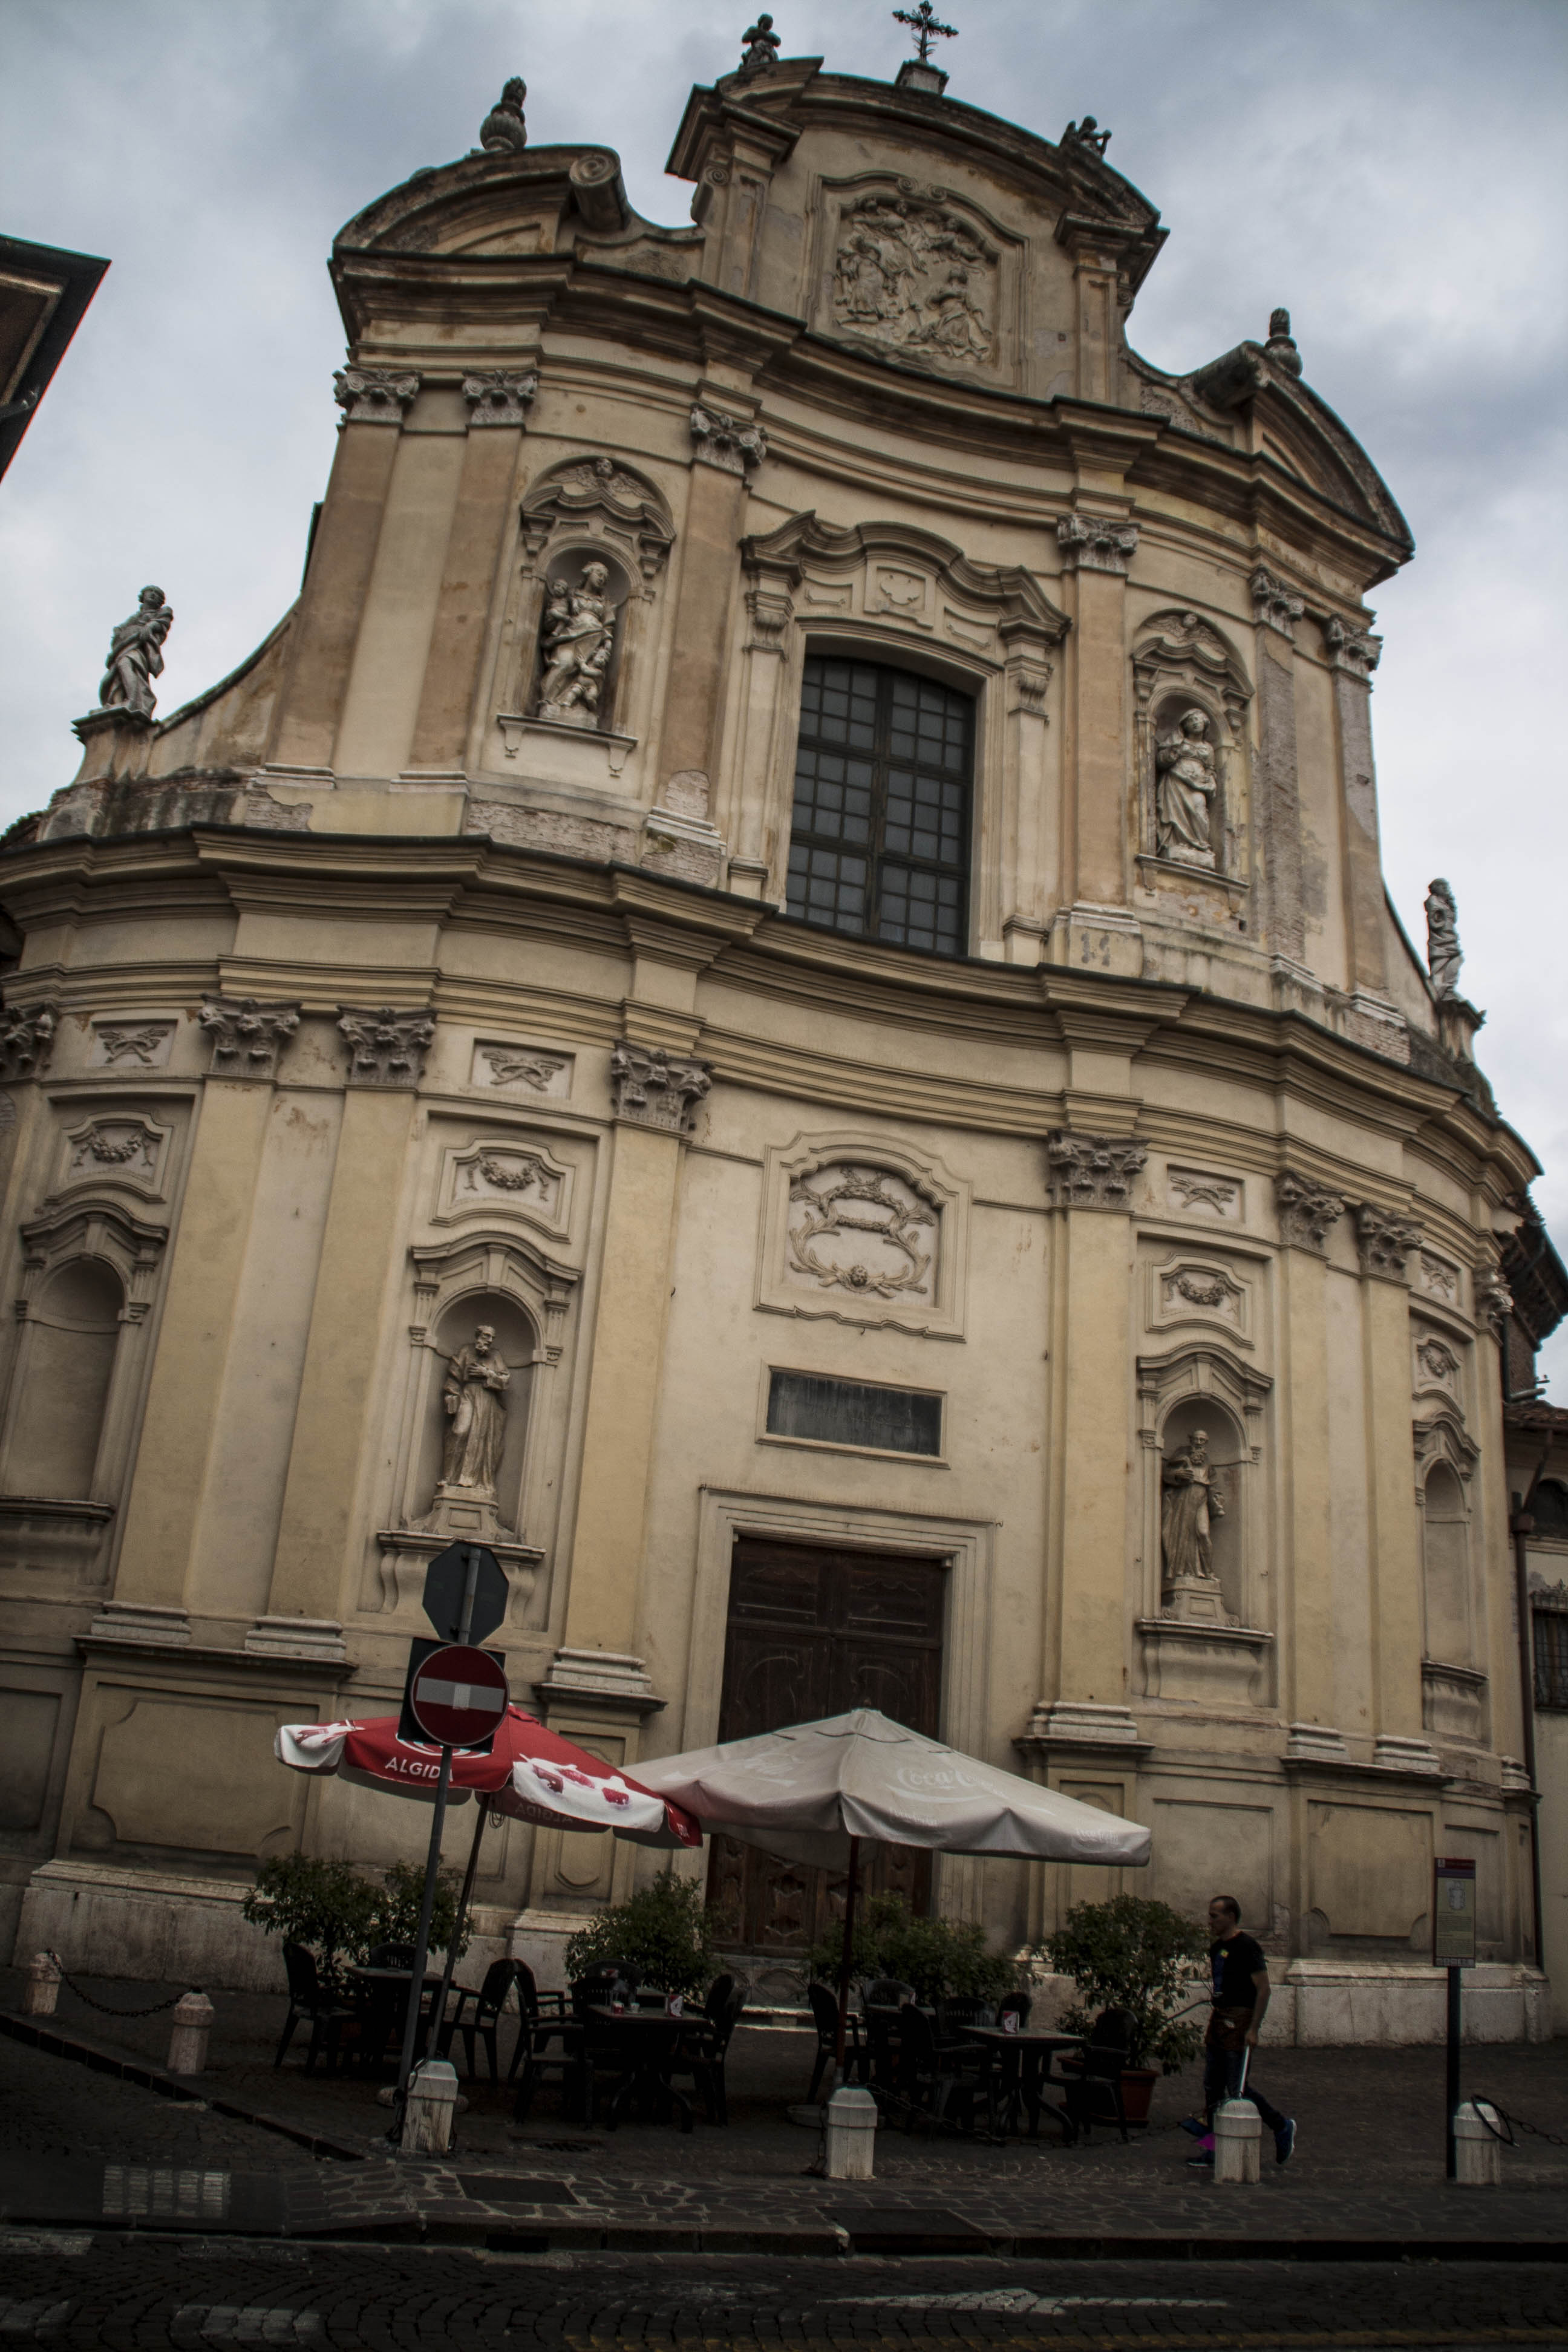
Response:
column 1030, row 878
column 326, row 626
column 715, row 514
column 1308, row 1213
column 446, row 723
column 745, row 820
column 1277, row 807
column 364, row 1220
column 1096, row 929
column 1352, row 656
column 1384, row 1241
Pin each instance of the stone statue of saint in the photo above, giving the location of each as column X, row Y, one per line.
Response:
column 1443, row 955
column 1183, row 798
column 1189, row 1500
column 578, row 636
column 474, row 1396
column 136, row 657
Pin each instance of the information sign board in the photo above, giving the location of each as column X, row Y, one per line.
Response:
column 1453, row 1913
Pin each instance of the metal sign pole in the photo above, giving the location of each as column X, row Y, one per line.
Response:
column 1452, row 2166
column 1452, row 1949
column 432, row 1869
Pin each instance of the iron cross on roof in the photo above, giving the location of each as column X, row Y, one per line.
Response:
column 923, row 22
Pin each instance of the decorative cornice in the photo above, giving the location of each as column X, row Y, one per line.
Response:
column 26, row 1039
column 1273, row 605
column 387, row 1048
column 1092, row 1172
column 654, row 1090
column 374, row 395
column 247, row 1037
column 1306, row 1211
column 1384, row 1241
column 1095, row 544
column 1356, row 652
column 500, row 395
column 734, row 444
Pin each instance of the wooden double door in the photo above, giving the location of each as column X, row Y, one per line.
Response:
column 815, row 1633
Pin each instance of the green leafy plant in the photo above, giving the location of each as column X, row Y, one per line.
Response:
column 659, row 1936
column 325, row 1905
column 943, row 1958
column 338, row 1914
column 1133, row 1954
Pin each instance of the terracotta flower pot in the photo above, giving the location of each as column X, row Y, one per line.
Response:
column 1137, row 2090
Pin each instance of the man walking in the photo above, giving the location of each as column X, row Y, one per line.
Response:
column 1240, row 1997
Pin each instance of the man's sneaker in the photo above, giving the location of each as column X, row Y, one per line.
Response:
column 1196, row 2126
column 1285, row 2141
column 1206, row 2158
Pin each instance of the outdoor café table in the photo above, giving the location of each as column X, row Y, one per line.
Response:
column 1028, row 2059
column 647, row 2038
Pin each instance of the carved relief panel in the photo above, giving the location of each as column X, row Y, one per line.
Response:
column 123, row 1149
column 511, row 1172
column 131, row 1043
column 522, row 1070
column 919, row 274
column 1185, row 1289
column 862, row 1232
column 1205, row 1193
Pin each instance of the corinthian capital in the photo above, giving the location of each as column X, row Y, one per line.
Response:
column 374, row 395
column 26, row 1039
column 1306, row 1211
column 387, row 1048
column 654, row 1089
column 1095, row 544
column 1273, row 605
column 500, row 395
column 1357, row 652
column 247, row 1037
column 1092, row 1172
column 734, row 444
column 1383, row 1241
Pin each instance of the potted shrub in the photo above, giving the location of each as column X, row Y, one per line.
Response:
column 1134, row 1955
column 943, row 1958
column 659, row 1936
column 339, row 1916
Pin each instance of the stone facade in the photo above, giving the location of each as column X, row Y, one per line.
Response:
column 440, row 1001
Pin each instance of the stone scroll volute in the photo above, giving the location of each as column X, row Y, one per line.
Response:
column 858, row 1231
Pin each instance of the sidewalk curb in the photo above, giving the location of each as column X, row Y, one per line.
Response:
column 40, row 2034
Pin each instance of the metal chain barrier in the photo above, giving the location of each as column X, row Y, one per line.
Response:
column 103, row 2007
column 1492, row 2115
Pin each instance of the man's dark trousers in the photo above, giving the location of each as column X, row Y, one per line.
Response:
column 1222, row 2074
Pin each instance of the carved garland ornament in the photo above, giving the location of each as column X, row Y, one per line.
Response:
column 860, row 1201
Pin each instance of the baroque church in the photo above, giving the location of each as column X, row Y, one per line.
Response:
column 774, row 996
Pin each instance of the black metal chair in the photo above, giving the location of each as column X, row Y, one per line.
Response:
column 477, row 2016
column 308, row 1998
column 931, row 2069
column 391, row 1956
column 1091, row 2085
column 825, row 2017
column 701, row 2049
column 541, row 2016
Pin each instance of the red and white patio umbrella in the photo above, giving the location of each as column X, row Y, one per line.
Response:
column 530, row 1773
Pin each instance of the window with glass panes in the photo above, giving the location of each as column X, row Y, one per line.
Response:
column 879, row 843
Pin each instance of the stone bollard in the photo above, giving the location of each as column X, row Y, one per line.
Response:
column 1477, row 2152
column 851, row 2135
column 1238, row 2138
column 430, row 2109
column 192, row 2023
column 42, row 1988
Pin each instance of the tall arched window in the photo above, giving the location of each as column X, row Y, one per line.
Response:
column 879, row 844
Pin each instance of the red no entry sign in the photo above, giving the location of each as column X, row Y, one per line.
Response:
column 458, row 1696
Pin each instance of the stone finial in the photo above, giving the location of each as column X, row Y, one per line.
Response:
column 1383, row 1241
column 246, row 1036
column 654, row 1090
column 387, row 1048
column 1087, row 134
column 734, row 444
column 1273, row 605
column 1306, row 1211
column 1092, row 1172
column 503, row 131
column 26, row 1039
column 926, row 27
column 1443, row 954
column 1095, row 544
column 374, row 395
column 1280, row 346
column 1356, row 651
column 500, row 395
column 136, row 657
column 760, row 48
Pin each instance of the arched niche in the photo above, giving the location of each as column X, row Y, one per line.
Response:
column 74, row 1335
column 1446, row 1564
column 1182, row 663
column 517, row 1343
column 1230, row 1461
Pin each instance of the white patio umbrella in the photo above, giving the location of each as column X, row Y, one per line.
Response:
column 812, row 1792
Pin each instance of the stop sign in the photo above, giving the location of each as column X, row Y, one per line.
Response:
column 458, row 1696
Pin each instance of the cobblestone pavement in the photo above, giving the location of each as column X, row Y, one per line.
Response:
column 71, row 2289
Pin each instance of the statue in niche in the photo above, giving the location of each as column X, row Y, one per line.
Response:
column 1443, row 954
column 136, row 657
column 1190, row 1500
column 474, row 1397
column 577, row 636
column 1184, row 793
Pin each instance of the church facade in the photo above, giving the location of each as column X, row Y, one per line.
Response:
column 775, row 995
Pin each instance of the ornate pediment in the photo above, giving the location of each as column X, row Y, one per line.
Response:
column 895, row 573
column 601, row 498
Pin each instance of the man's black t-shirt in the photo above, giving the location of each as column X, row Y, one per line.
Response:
column 1233, row 1965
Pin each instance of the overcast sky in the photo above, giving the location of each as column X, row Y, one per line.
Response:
column 1392, row 170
